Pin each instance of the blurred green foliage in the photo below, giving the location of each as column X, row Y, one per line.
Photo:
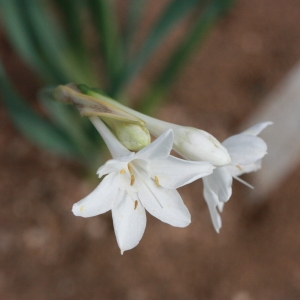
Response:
column 63, row 40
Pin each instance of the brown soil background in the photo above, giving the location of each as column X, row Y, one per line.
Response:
column 47, row 253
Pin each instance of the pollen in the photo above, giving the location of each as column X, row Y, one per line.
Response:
column 81, row 208
column 135, row 204
column 156, row 181
column 132, row 180
column 130, row 169
column 122, row 171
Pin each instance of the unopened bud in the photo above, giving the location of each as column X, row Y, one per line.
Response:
column 134, row 137
column 196, row 144
column 191, row 143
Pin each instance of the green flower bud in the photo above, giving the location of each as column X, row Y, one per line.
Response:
column 133, row 136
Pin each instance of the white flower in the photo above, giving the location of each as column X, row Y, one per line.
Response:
column 246, row 151
column 190, row 143
column 134, row 182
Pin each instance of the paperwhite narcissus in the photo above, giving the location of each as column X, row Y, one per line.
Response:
column 246, row 151
column 134, row 182
column 190, row 143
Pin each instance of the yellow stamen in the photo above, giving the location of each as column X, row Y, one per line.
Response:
column 132, row 180
column 156, row 181
column 135, row 204
column 239, row 167
column 130, row 169
column 122, row 171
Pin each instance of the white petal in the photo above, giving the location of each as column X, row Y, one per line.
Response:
column 164, row 204
column 237, row 170
column 245, row 149
column 172, row 172
column 219, row 182
column 257, row 129
column 212, row 203
column 113, row 144
column 115, row 165
column 100, row 200
column 129, row 220
column 160, row 148
column 220, row 206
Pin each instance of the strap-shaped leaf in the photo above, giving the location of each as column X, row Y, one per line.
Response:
column 69, row 121
column 52, row 44
column 134, row 13
column 18, row 33
column 40, row 41
column 179, row 58
column 34, row 127
column 105, row 20
column 175, row 11
column 72, row 14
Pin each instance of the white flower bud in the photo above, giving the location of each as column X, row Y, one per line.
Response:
column 191, row 143
column 196, row 144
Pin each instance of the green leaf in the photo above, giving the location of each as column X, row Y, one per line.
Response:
column 30, row 124
column 67, row 118
column 17, row 31
column 72, row 13
column 39, row 38
column 134, row 14
column 168, row 20
column 105, row 20
column 178, row 60
column 53, row 45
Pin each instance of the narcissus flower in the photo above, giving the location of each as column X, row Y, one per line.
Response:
column 246, row 151
column 147, row 179
column 190, row 143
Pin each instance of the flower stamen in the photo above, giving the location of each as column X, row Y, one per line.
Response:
column 130, row 168
column 132, row 180
column 122, row 171
column 156, row 181
column 135, row 204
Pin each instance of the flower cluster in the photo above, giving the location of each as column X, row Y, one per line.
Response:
column 134, row 182
column 147, row 179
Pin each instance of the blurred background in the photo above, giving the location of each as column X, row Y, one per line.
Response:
column 206, row 64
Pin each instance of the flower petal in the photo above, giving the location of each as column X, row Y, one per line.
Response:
column 100, row 200
column 237, row 170
column 160, row 148
column 129, row 220
column 113, row 144
column 172, row 172
column 212, row 202
column 257, row 129
column 220, row 206
column 164, row 204
column 245, row 149
column 115, row 165
column 219, row 182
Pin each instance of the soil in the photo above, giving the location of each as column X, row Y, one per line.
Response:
column 48, row 253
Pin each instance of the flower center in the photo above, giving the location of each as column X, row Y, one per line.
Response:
column 132, row 178
column 131, row 173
